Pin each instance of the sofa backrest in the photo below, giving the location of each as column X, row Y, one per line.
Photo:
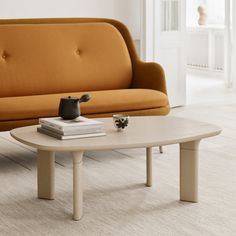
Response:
column 56, row 58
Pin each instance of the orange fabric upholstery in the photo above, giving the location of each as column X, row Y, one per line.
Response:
column 44, row 59
column 36, row 57
column 150, row 76
column 102, row 102
column 7, row 125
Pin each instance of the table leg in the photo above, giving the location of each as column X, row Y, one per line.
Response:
column 77, row 185
column 189, row 171
column 46, row 174
column 149, row 166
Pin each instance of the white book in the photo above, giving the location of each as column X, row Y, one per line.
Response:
column 75, row 130
column 66, row 125
column 61, row 137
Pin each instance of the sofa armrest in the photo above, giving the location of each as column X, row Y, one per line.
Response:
column 149, row 75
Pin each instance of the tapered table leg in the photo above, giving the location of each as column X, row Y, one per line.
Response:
column 46, row 174
column 149, row 166
column 189, row 171
column 77, row 185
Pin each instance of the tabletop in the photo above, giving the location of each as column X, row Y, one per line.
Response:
column 149, row 131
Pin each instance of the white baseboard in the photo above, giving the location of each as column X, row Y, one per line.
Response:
column 206, row 72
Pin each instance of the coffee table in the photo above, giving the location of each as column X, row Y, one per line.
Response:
column 142, row 132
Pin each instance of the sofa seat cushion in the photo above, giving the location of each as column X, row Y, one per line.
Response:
column 31, row 107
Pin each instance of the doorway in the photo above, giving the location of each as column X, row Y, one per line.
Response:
column 163, row 41
column 195, row 57
column 207, row 76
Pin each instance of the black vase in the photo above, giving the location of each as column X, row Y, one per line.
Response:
column 69, row 108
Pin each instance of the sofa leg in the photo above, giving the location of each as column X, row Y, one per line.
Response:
column 161, row 149
column 149, row 167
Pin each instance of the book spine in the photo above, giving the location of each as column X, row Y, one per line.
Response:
column 82, row 136
column 48, row 127
column 73, row 131
column 61, row 137
column 84, row 127
column 43, row 122
column 49, row 133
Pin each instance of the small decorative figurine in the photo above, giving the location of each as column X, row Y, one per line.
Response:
column 69, row 108
column 202, row 15
column 120, row 121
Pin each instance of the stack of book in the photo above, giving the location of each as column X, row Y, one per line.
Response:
column 71, row 129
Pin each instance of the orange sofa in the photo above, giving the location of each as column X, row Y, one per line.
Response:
column 42, row 60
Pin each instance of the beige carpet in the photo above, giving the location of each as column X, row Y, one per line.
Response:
column 116, row 201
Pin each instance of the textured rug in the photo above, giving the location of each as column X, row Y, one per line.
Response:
column 116, row 200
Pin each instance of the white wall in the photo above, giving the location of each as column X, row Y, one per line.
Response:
column 209, row 54
column 127, row 11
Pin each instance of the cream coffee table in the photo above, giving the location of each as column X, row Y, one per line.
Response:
column 142, row 132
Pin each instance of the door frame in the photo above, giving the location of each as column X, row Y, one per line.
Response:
column 149, row 45
column 229, row 41
column 147, row 30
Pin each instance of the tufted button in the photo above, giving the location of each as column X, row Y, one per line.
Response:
column 4, row 55
column 78, row 52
